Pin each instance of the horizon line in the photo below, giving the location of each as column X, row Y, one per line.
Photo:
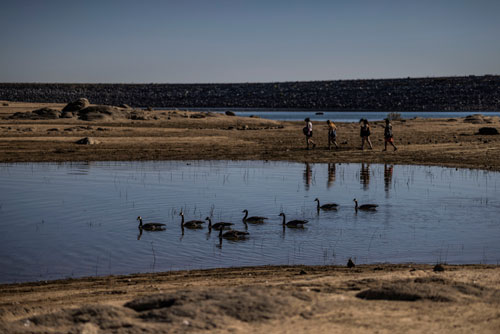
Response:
column 249, row 82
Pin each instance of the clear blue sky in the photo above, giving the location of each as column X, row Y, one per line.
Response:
column 210, row 41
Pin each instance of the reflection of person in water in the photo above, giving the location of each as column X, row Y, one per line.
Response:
column 331, row 175
column 307, row 176
column 364, row 175
column 388, row 176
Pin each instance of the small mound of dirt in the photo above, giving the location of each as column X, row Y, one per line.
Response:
column 465, row 289
column 429, row 288
column 197, row 116
column 77, row 105
column 206, row 309
column 101, row 112
column 393, row 292
column 47, row 113
column 23, row 115
column 177, row 312
column 39, row 114
column 358, row 285
column 477, row 119
column 74, row 320
column 139, row 115
column 89, row 113
column 68, row 114
column 487, row 131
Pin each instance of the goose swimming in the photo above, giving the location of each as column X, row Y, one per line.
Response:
column 293, row 223
column 219, row 225
column 192, row 224
column 150, row 226
column 253, row 219
column 365, row 207
column 233, row 235
column 328, row 206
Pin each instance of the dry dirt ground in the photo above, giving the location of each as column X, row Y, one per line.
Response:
column 171, row 135
column 298, row 299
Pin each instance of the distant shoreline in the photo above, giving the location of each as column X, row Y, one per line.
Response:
column 221, row 109
column 466, row 93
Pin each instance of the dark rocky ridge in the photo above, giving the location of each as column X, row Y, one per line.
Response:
column 419, row 94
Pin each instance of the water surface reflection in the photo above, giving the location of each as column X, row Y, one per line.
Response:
column 388, row 177
column 331, row 175
column 307, row 176
column 72, row 220
column 364, row 175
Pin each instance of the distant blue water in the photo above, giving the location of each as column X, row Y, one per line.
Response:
column 346, row 116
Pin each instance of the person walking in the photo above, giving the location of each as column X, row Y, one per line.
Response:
column 365, row 133
column 388, row 136
column 308, row 132
column 332, row 134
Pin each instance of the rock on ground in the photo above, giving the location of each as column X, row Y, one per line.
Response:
column 77, row 105
column 87, row 141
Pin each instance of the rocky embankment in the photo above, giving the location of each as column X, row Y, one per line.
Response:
column 419, row 94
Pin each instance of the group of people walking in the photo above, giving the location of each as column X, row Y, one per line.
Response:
column 364, row 134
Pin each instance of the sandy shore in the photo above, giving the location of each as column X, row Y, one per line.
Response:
column 373, row 298
column 298, row 299
column 171, row 135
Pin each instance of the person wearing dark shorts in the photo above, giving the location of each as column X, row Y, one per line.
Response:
column 308, row 132
column 365, row 133
column 388, row 136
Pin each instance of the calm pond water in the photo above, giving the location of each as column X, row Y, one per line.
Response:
column 79, row 219
column 346, row 116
